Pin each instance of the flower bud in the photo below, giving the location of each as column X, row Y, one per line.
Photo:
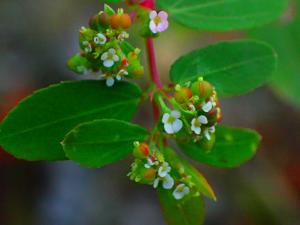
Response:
column 125, row 21
column 141, row 151
column 115, row 21
column 202, row 88
column 183, row 94
column 99, row 21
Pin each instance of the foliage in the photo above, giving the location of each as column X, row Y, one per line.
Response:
column 88, row 121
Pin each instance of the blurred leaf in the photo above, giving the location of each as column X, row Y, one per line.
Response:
column 34, row 129
column 286, row 40
column 223, row 14
column 233, row 147
column 200, row 181
column 101, row 142
column 233, row 67
column 187, row 212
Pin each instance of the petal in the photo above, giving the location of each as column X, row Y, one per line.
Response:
column 207, row 135
column 153, row 27
column 104, row 56
column 203, row 119
column 161, row 27
column 207, row 107
column 163, row 15
column 177, row 125
column 155, row 183
column 116, row 58
column 176, row 114
column 168, row 182
column 212, row 129
column 118, row 77
column 186, row 190
column 112, row 51
column 110, row 82
column 152, row 14
column 166, row 117
column 197, row 130
column 168, row 128
column 162, row 172
column 108, row 63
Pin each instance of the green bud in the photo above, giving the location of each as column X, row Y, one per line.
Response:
column 206, row 144
column 79, row 64
column 202, row 88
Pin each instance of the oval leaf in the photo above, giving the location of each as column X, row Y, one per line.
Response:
column 188, row 212
column 101, row 142
column 233, row 67
column 35, row 128
column 233, row 147
column 223, row 14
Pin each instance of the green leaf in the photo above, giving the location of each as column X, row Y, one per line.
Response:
column 223, row 14
column 286, row 40
column 101, row 142
column 233, row 67
column 188, row 212
column 200, row 181
column 34, row 129
column 233, row 147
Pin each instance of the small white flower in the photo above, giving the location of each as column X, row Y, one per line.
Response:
column 100, row 39
column 207, row 106
column 172, row 123
column 123, row 35
column 110, row 81
column 150, row 163
column 167, row 182
column 158, row 21
column 181, row 191
column 164, row 169
column 209, row 131
column 197, row 122
column 109, row 58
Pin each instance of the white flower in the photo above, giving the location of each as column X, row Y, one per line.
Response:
column 207, row 106
column 181, row 191
column 121, row 73
column 109, row 58
column 110, row 81
column 197, row 122
column 123, row 35
column 164, row 169
column 168, row 182
column 172, row 123
column 209, row 131
column 100, row 39
column 158, row 21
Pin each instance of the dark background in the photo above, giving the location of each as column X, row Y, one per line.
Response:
column 36, row 40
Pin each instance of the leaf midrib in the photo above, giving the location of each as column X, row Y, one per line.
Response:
column 66, row 119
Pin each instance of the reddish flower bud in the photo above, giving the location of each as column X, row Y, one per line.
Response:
column 141, row 151
column 183, row 94
column 125, row 21
column 203, row 89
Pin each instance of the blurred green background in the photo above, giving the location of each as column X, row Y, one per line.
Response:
column 36, row 40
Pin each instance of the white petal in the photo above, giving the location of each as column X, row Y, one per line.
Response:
column 176, row 114
column 186, row 190
column 168, row 128
column 207, row 107
column 166, row 117
column 152, row 14
column 155, row 183
column 112, row 51
column 197, row 130
column 96, row 40
column 163, row 15
column 203, row 119
column 110, row 82
column 207, row 135
column 147, row 166
column 177, row 125
column 168, row 182
column 104, row 56
column 153, row 27
column 118, row 77
column 212, row 129
column 116, row 58
column 108, row 63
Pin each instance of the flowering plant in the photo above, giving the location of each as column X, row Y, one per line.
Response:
column 87, row 120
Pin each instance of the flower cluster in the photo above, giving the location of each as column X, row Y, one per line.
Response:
column 104, row 49
column 150, row 167
column 196, row 111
